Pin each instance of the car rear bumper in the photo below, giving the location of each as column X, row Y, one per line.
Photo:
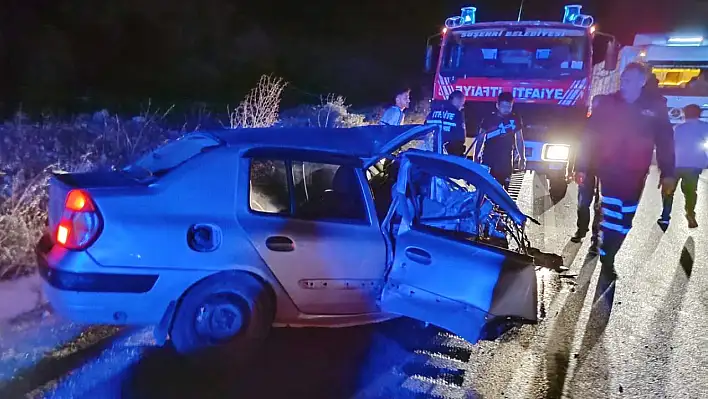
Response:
column 81, row 290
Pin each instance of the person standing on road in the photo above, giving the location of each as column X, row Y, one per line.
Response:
column 394, row 114
column 588, row 194
column 449, row 117
column 617, row 145
column 691, row 139
column 589, row 191
column 500, row 141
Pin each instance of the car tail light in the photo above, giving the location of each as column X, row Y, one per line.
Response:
column 80, row 222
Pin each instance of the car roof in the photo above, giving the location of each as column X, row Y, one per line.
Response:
column 361, row 142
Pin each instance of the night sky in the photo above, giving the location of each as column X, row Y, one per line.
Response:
column 74, row 55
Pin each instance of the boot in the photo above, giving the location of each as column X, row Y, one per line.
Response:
column 578, row 236
column 608, row 272
column 594, row 246
column 692, row 223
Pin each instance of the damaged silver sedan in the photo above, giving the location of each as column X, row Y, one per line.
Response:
column 218, row 236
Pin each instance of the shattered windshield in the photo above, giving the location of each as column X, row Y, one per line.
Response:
column 520, row 53
column 170, row 155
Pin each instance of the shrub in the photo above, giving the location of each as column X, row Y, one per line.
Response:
column 261, row 106
column 28, row 151
column 331, row 112
column 334, row 112
column 416, row 114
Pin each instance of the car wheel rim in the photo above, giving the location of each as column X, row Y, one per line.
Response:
column 219, row 318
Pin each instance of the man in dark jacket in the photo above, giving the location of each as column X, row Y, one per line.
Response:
column 588, row 193
column 448, row 115
column 617, row 147
column 500, row 140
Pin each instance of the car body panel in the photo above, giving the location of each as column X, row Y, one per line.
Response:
column 103, row 308
column 150, row 220
column 447, row 279
column 336, row 267
column 337, row 274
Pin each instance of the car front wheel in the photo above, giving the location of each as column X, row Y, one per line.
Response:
column 223, row 319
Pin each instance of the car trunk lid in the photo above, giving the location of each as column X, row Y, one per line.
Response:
column 61, row 183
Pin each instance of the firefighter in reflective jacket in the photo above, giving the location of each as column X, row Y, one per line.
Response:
column 500, row 141
column 448, row 115
column 617, row 147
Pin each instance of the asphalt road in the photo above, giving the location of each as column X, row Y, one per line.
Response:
column 650, row 342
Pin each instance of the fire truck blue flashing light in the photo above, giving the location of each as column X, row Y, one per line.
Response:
column 572, row 12
column 469, row 15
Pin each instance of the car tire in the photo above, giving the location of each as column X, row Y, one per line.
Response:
column 223, row 320
column 557, row 188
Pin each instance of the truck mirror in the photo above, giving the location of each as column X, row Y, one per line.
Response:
column 429, row 58
column 611, row 56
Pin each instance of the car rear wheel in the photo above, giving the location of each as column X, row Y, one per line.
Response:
column 223, row 319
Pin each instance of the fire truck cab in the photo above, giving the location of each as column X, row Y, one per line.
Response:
column 547, row 66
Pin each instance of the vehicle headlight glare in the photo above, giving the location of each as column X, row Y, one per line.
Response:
column 556, row 152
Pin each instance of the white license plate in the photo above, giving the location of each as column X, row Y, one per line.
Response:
column 556, row 166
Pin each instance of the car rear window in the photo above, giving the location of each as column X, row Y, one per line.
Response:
column 171, row 155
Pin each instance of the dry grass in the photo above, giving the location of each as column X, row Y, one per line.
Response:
column 416, row 114
column 30, row 150
column 332, row 111
column 261, row 106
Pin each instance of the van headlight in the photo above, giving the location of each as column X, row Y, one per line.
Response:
column 555, row 152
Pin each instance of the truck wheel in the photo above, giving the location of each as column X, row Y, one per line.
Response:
column 557, row 187
column 223, row 320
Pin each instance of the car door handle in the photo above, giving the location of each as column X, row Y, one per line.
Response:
column 280, row 244
column 418, row 255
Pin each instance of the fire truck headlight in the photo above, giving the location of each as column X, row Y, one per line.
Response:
column 555, row 152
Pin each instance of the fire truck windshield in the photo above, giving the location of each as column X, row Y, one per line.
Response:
column 530, row 53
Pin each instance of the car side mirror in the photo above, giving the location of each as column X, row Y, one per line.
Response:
column 611, row 56
column 429, row 58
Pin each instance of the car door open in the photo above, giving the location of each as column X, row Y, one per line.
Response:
column 443, row 270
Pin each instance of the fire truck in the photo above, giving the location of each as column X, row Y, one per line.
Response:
column 546, row 65
column 678, row 61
